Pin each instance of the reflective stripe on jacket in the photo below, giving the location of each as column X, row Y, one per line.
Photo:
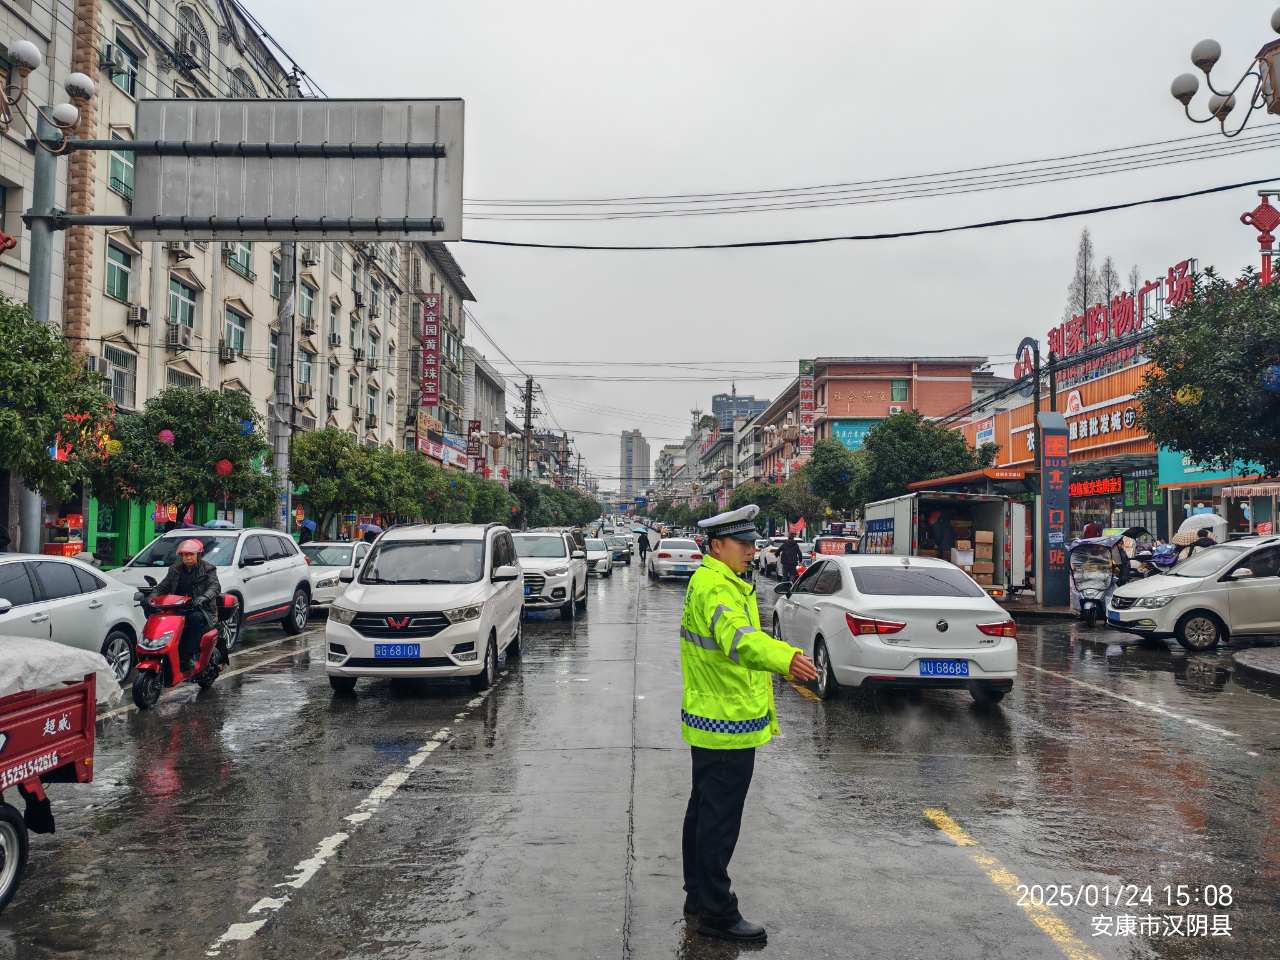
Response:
column 727, row 662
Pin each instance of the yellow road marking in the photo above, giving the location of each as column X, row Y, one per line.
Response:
column 804, row 691
column 1049, row 922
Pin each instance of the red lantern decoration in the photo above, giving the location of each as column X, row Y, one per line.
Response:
column 166, row 437
column 224, row 467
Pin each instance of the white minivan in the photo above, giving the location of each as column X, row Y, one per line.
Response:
column 430, row 600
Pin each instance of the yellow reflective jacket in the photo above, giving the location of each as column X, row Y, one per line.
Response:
column 727, row 662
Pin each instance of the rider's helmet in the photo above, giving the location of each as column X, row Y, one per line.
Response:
column 191, row 545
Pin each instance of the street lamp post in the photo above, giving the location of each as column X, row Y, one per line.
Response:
column 49, row 138
column 1264, row 71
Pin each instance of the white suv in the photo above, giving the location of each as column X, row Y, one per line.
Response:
column 555, row 571
column 263, row 569
column 431, row 600
column 1232, row 589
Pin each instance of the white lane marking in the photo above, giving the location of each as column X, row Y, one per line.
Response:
column 173, row 691
column 1153, row 707
column 325, row 850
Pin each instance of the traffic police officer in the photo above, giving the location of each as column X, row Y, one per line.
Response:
column 726, row 712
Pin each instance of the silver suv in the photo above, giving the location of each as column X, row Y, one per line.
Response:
column 554, row 564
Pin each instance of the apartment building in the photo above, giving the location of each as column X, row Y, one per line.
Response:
column 633, row 465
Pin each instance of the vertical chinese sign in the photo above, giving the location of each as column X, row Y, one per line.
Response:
column 1055, row 487
column 429, row 385
column 804, row 444
column 474, row 441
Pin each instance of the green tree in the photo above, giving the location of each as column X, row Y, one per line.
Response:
column 207, row 426
column 834, row 473
column 493, row 503
column 798, row 501
column 334, row 467
column 1204, row 395
column 906, row 448
column 47, row 396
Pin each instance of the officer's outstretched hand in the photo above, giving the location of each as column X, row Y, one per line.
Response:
column 802, row 668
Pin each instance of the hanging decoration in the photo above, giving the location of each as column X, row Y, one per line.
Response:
column 166, row 437
column 224, row 467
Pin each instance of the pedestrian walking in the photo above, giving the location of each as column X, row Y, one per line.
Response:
column 726, row 711
column 644, row 546
column 789, row 558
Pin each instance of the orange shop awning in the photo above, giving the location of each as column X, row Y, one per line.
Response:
column 972, row 476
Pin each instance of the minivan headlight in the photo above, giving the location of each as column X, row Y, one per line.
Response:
column 341, row 614
column 462, row 614
column 1153, row 603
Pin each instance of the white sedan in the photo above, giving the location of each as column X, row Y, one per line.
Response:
column 327, row 560
column 884, row 621
column 599, row 557
column 674, row 558
column 61, row 599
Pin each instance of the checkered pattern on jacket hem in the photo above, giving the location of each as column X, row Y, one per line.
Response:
column 711, row 725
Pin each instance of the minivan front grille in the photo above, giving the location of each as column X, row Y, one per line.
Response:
column 534, row 583
column 399, row 626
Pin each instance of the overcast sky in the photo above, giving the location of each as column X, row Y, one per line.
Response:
column 588, row 99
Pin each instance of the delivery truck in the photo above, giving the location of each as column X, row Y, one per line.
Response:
column 983, row 534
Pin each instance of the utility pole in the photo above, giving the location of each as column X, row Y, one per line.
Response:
column 528, row 423
column 282, row 412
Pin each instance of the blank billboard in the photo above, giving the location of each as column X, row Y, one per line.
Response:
column 263, row 196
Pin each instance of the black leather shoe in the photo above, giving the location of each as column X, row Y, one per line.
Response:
column 740, row 931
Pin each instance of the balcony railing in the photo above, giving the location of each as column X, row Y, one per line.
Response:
column 237, row 265
column 119, row 186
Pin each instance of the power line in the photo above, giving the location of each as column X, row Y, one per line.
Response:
column 894, row 235
column 856, row 183
column 257, row 24
column 925, row 191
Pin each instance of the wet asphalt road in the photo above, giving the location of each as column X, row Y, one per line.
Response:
column 267, row 819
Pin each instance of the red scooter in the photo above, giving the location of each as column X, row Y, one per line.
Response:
column 159, row 665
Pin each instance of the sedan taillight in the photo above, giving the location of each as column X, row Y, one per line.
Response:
column 664, row 556
column 869, row 625
column 695, row 556
column 1005, row 628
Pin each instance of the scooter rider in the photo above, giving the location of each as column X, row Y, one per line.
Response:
column 198, row 579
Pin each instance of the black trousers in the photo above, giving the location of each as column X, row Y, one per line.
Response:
column 189, row 643
column 721, row 779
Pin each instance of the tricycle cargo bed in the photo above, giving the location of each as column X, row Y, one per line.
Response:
column 47, row 736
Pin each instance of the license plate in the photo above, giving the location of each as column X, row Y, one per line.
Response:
column 397, row 651
column 528, row 591
column 1113, row 617
column 680, row 568
column 944, row 668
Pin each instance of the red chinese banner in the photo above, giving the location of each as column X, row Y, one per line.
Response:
column 429, row 388
column 807, row 407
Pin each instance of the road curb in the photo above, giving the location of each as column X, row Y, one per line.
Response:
column 1263, row 663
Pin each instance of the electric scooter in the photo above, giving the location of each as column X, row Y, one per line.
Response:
column 159, row 663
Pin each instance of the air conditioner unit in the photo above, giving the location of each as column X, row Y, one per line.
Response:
column 358, row 354
column 373, row 364
column 112, row 59
column 357, row 413
column 331, row 403
column 308, row 326
column 226, row 352
column 373, row 421
column 310, row 255
column 335, row 339
column 359, row 299
column 102, row 367
column 895, row 408
column 179, row 336
column 181, row 249
column 375, row 311
column 304, row 391
column 138, row 315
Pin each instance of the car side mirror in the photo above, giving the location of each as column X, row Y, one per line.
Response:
column 151, row 581
column 578, row 555
column 504, row 573
column 783, row 589
column 5, row 606
column 346, row 576
column 1241, row 573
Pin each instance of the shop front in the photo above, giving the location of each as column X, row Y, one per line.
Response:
column 1237, row 493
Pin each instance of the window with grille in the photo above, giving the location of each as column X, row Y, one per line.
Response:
column 306, row 300
column 178, row 378
column 335, row 260
column 273, row 351
column 235, row 328
column 275, row 277
column 126, row 77
column 242, row 85
column 182, row 303
column 371, row 401
column 193, row 38
column 119, row 272
column 374, row 343
column 240, row 258
column 333, row 318
column 351, row 389
column 306, row 366
column 120, row 170
column 124, row 376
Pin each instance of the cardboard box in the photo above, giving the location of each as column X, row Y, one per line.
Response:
column 962, row 558
column 964, row 544
column 984, row 536
column 983, row 566
column 983, row 551
column 927, row 552
column 984, row 579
